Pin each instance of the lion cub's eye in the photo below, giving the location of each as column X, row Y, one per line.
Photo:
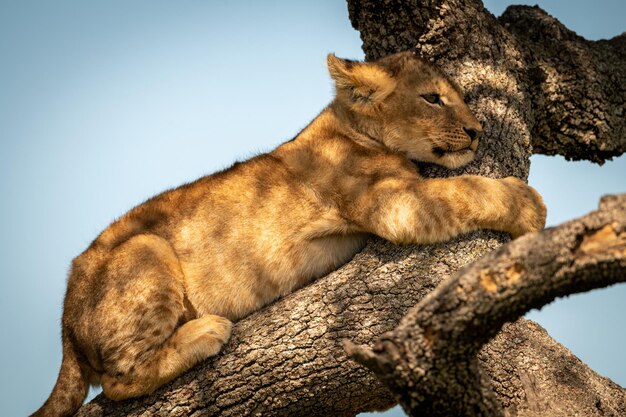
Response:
column 433, row 98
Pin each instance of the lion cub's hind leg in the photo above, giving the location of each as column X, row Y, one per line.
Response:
column 194, row 341
column 144, row 348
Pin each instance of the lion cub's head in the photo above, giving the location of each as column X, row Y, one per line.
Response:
column 409, row 105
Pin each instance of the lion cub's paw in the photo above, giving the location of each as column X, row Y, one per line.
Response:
column 221, row 328
column 205, row 336
column 527, row 206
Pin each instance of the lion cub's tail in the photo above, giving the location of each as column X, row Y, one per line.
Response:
column 70, row 389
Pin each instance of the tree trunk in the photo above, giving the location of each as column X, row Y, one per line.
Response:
column 288, row 359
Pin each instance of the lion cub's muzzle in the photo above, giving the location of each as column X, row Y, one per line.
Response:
column 473, row 134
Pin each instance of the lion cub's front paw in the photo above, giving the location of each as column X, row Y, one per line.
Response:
column 527, row 207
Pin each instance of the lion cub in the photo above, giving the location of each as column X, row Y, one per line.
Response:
column 157, row 291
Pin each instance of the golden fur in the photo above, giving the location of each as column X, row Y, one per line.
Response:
column 157, row 291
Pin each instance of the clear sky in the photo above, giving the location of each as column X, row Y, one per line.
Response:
column 103, row 104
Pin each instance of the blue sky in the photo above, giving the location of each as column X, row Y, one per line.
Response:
column 104, row 104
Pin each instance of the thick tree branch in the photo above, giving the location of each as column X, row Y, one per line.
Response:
column 579, row 86
column 429, row 360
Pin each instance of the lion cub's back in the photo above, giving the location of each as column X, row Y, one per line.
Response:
column 257, row 234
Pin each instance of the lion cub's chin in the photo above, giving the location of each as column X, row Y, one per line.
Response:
column 450, row 160
column 457, row 159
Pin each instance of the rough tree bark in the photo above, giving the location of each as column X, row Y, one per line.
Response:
column 288, row 359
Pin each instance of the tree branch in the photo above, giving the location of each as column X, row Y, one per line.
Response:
column 579, row 86
column 429, row 361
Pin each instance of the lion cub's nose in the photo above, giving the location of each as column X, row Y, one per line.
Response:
column 472, row 133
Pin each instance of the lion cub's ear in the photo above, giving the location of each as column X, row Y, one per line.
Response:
column 362, row 84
